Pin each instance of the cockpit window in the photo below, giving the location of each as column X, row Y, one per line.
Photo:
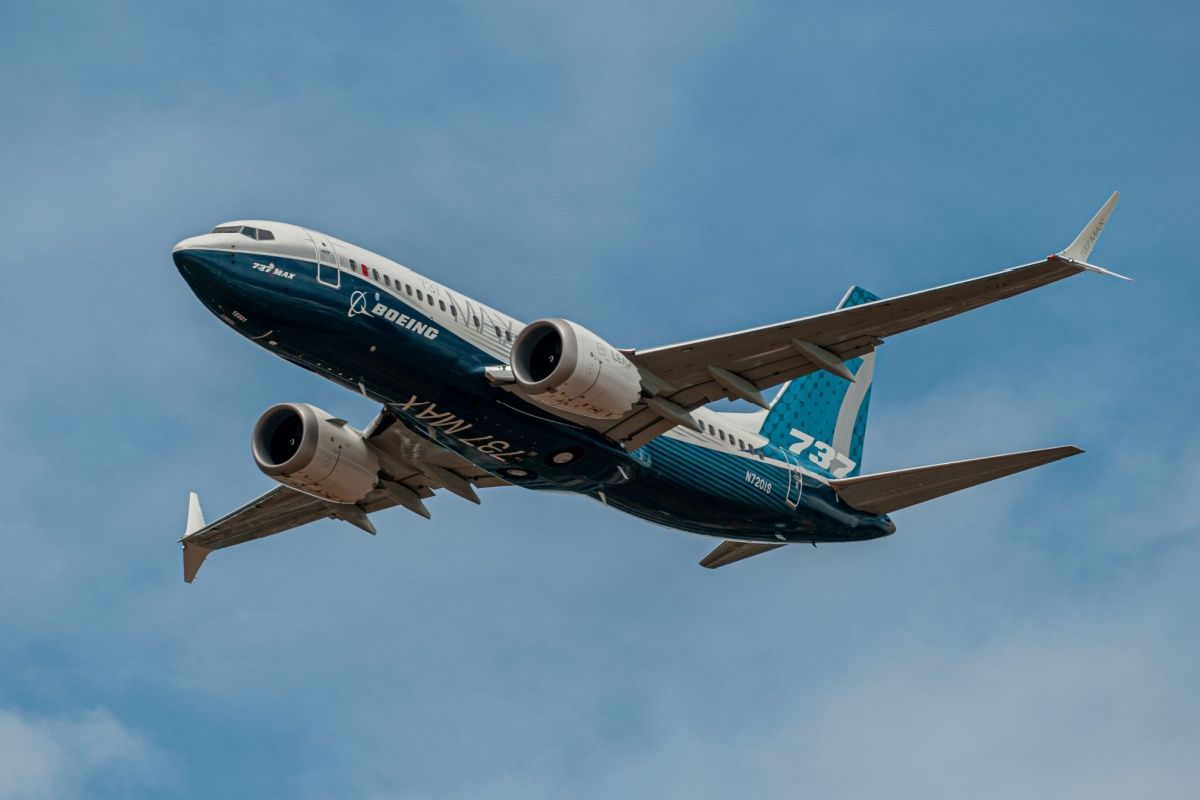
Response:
column 254, row 233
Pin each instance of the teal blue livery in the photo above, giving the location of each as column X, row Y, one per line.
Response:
column 826, row 408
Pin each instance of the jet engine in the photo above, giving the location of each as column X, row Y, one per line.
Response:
column 565, row 366
column 305, row 448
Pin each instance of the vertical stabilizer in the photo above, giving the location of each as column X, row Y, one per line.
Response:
column 821, row 418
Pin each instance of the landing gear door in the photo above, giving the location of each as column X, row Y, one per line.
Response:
column 326, row 256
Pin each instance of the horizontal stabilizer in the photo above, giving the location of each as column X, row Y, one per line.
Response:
column 885, row 492
column 729, row 552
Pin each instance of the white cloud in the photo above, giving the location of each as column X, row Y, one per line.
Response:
column 57, row 757
column 1089, row 699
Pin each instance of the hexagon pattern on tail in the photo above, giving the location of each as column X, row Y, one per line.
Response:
column 821, row 417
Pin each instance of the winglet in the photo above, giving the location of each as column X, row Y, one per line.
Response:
column 193, row 554
column 1081, row 248
column 193, row 557
column 1100, row 270
column 195, row 517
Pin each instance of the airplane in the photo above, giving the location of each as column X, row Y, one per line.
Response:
column 471, row 398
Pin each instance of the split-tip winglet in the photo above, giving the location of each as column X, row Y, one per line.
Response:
column 193, row 554
column 195, row 517
column 1079, row 250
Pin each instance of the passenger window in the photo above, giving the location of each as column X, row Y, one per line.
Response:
column 508, row 335
column 454, row 311
column 475, row 320
column 712, row 431
column 419, row 295
column 353, row 265
column 442, row 305
column 741, row 444
column 408, row 289
column 429, row 297
column 387, row 281
column 722, row 435
column 266, row 235
column 497, row 327
column 375, row 274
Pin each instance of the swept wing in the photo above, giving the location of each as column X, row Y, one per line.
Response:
column 417, row 468
column 685, row 376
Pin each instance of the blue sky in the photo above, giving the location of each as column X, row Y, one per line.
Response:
column 656, row 173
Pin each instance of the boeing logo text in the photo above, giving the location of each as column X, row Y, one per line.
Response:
column 358, row 305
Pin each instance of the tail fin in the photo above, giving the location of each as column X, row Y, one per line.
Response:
column 822, row 418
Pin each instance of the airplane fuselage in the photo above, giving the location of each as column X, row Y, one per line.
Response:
column 421, row 350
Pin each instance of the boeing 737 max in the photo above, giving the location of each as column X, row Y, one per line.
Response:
column 472, row 398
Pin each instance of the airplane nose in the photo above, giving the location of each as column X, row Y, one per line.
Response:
column 230, row 293
column 192, row 242
column 209, row 279
column 184, row 257
column 194, row 262
column 195, row 256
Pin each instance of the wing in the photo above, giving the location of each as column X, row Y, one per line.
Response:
column 415, row 468
column 685, row 376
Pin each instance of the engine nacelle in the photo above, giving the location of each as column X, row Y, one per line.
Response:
column 564, row 365
column 298, row 445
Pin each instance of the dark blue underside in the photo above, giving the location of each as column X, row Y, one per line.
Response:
column 437, row 386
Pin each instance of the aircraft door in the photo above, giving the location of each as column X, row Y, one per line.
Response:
column 327, row 264
column 795, row 480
